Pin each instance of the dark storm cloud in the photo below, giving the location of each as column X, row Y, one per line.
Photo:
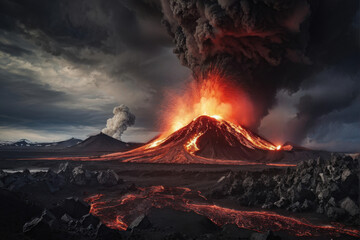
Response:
column 25, row 102
column 121, row 41
column 13, row 50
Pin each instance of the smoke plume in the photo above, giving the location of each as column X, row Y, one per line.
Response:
column 121, row 120
column 264, row 45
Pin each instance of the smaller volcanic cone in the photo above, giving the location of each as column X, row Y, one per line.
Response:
column 206, row 139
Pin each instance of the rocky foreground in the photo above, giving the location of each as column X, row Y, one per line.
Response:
column 326, row 186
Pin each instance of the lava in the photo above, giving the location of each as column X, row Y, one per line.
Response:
column 205, row 140
column 191, row 146
column 119, row 213
column 211, row 95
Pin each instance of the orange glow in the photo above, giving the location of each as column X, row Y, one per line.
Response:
column 212, row 96
column 140, row 201
column 191, row 146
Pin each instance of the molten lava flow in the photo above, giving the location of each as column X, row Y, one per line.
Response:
column 191, row 146
column 119, row 213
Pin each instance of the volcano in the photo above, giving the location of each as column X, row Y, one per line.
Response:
column 206, row 139
column 101, row 143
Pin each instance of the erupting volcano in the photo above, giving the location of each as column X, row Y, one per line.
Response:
column 205, row 125
column 206, row 139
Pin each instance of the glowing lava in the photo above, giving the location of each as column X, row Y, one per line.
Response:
column 207, row 140
column 119, row 213
column 191, row 146
column 210, row 95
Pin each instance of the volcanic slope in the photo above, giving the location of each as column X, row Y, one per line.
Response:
column 208, row 140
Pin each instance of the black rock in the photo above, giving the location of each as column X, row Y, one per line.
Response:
column 75, row 207
column 15, row 211
column 335, row 213
column 349, row 206
column 37, row 228
column 50, row 219
column 89, row 219
column 141, row 222
column 57, row 211
column 66, row 218
column 105, row 233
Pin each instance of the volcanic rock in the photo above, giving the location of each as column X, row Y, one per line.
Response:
column 66, row 218
column 54, row 181
column 80, row 176
column 49, row 218
column 15, row 211
column 37, row 228
column 89, row 219
column 141, row 222
column 335, row 213
column 350, row 206
column 75, row 207
column 281, row 203
column 105, row 233
column 65, row 170
column 108, row 178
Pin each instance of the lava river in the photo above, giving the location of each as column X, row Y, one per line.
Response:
column 118, row 213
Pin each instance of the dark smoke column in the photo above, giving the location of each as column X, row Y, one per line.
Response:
column 248, row 41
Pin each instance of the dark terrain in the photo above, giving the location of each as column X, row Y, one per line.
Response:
column 161, row 201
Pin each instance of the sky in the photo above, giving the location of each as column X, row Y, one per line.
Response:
column 65, row 64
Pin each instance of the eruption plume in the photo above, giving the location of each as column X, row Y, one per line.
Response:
column 241, row 38
column 121, row 120
column 262, row 46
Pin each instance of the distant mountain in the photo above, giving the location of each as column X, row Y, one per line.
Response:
column 28, row 145
column 102, row 143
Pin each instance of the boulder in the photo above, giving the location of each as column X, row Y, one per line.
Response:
column 349, row 206
column 66, row 218
column 108, row 178
column 105, row 233
column 281, row 203
column 248, row 182
column 37, row 228
column 88, row 220
column 335, row 213
column 307, row 205
column 65, row 170
column 141, row 222
column 50, row 219
column 75, row 207
column 80, row 176
column 54, row 181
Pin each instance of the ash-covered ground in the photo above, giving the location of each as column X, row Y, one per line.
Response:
column 42, row 199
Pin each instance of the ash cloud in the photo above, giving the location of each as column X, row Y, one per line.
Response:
column 267, row 46
column 121, row 120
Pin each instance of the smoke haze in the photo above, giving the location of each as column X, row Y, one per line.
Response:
column 121, row 120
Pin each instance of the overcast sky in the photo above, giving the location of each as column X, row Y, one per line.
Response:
column 65, row 64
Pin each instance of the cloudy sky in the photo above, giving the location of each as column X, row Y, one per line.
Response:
column 65, row 64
